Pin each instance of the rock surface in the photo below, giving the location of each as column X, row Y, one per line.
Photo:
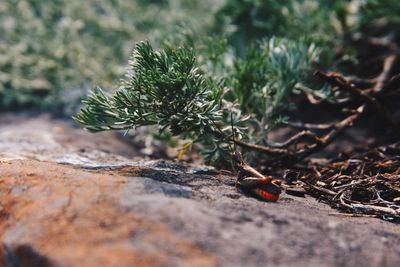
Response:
column 70, row 198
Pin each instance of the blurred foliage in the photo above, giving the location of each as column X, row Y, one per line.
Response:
column 249, row 20
column 379, row 14
column 70, row 45
column 52, row 52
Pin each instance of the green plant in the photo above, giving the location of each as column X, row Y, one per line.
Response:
column 262, row 80
column 167, row 88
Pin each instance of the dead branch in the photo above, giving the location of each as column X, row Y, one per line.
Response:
column 361, row 82
column 365, row 208
column 386, row 42
column 260, row 148
column 393, row 83
column 303, row 135
column 352, row 215
column 311, row 126
column 322, row 190
column 319, row 142
column 336, row 79
column 374, row 191
column 328, row 138
column 384, row 76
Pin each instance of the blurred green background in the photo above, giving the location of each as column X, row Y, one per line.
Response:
column 53, row 52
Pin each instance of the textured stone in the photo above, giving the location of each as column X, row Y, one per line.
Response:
column 103, row 207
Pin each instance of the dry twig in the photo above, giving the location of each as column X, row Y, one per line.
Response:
column 368, row 184
column 283, row 151
column 338, row 80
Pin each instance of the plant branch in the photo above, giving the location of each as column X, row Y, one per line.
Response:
column 311, row 126
column 261, row 148
column 382, row 78
column 320, row 142
column 336, row 79
column 328, row 138
column 303, row 135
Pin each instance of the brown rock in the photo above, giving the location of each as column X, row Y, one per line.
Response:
column 56, row 215
column 70, row 198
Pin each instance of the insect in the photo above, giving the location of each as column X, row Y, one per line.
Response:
column 254, row 183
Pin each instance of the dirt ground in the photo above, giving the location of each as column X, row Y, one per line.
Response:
column 70, row 198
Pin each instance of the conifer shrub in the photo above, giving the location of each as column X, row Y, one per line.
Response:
column 167, row 88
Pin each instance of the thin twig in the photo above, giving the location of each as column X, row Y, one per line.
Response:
column 351, row 215
column 322, row 190
column 311, row 126
column 362, row 82
column 364, row 208
column 393, row 83
column 293, row 140
column 328, row 138
column 386, row 41
column 320, row 142
column 338, row 80
column 384, row 76
column 261, row 148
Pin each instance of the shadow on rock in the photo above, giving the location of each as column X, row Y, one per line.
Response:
column 22, row 256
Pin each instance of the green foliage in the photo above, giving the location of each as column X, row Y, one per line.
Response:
column 168, row 89
column 250, row 20
column 47, row 47
column 381, row 13
column 263, row 79
column 51, row 49
column 161, row 88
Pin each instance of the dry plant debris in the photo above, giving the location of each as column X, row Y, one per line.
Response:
column 368, row 185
